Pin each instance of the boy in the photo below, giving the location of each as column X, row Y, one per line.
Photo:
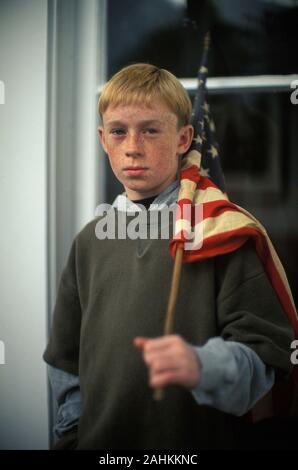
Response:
column 106, row 347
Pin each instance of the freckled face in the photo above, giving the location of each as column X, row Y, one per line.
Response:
column 143, row 144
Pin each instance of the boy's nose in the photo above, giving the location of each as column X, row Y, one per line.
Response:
column 133, row 145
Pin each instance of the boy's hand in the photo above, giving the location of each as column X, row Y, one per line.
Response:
column 170, row 360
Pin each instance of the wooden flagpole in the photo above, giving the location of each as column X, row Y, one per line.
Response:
column 158, row 393
column 169, row 321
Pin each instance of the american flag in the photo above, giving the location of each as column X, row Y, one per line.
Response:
column 224, row 226
column 204, row 140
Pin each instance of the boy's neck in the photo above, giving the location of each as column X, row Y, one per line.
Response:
column 167, row 197
column 146, row 202
column 168, row 189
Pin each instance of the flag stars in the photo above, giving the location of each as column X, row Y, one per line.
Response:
column 212, row 126
column 198, row 140
column 213, row 151
column 205, row 172
column 203, row 69
column 206, row 107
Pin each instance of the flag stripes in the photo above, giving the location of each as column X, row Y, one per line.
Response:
column 223, row 228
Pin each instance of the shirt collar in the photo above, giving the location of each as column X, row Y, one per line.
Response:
column 167, row 197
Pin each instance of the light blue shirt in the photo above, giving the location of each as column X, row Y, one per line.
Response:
column 233, row 379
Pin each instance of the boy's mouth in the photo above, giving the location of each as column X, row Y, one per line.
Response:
column 135, row 170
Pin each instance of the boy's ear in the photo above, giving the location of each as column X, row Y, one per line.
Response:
column 102, row 139
column 186, row 136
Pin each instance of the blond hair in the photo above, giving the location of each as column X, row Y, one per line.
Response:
column 140, row 83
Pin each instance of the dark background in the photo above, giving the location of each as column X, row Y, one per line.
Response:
column 256, row 131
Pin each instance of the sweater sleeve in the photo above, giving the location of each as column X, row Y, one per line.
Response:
column 233, row 377
column 233, row 380
column 248, row 309
column 63, row 347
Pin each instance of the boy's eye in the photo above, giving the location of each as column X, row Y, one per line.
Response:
column 150, row 130
column 117, row 131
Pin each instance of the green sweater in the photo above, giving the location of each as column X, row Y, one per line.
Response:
column 114, row 290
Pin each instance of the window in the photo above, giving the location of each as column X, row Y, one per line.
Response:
column 252, row 63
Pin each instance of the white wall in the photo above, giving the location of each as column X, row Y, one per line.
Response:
column 23, row 275
column 76, row 68
column 52, row 60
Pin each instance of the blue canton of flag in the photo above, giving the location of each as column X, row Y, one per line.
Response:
column 204, row 129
